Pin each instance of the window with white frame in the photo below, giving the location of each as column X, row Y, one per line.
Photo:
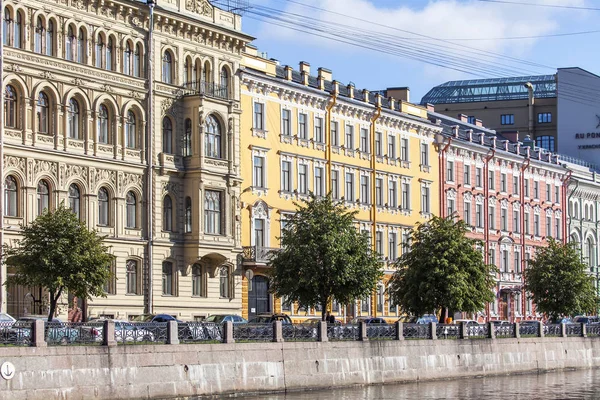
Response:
column 505, row 261
column 536, row 190
column 478, row 177
column 213, row 212
column 503, row 179
column 379, row 243
column 467, row 212
column 259, row 116
column 557, row 194
column 479, row 215
column 492, row 254
column 451, row 207
column 404, row 149
column 449, row 171
column 517, row 221
column 335, row 136
column 364, row 140
column 349, row 137
column 425, row 199
column 406, row 195
column 467, row 174
column 491, row 180
column 392, row 193
column 378, row 144
column 504, row 219
column 349, row 193
column 405, row 241
column 302, row 178
column 526, row 187
column 392, row 246
column 548, row 192
column 491, row 217
column 536, row 225
column 286, row 122
column 548, row 226
column 302, row 128
column 557, row 230
column 335, row 184
column 516, row 186
column 319, row 181
column 259, row 173
column 517, row 261
column 527, row 223
column 379, row 192
column 364, row 189
column 319, row 130
column 424, row 154
column 286, row 176
column 391, row 146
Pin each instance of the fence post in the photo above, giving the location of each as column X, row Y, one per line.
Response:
column 37, row 334
column 433, row 335
column 517, row 330
column 491, row 330
column 399, row 330
column 228, row 332
column 583, row 329
column 563, row 329
column 172, row 332
column 463, row 330
column 322, row 331
column 277, row 332
column 362, row 331
column 541, row 329
column 108, row 334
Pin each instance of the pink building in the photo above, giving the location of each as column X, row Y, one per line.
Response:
column 512, row 197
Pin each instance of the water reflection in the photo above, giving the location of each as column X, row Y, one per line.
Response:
column 581, row 384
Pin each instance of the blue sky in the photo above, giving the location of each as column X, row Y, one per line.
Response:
column 440, row 19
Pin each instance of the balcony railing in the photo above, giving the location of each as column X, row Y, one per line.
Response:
column 206, row 88
column 259, row 254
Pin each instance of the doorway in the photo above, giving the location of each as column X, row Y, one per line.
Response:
column 259, row 299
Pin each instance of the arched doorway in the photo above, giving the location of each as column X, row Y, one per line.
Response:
column 259, row 299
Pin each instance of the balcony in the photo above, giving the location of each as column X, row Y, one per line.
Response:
column 206, row 89
column 258, row 255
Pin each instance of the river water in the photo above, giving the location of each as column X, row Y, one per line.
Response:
column 580, row 384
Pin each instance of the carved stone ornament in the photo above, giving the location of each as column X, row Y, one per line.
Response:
column 14, row 162
column 42, row 166
column 260, row 210
column 171, row 187
column 201, row 7
column 78, row 81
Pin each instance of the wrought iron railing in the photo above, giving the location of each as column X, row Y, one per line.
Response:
column 343, row 332
column 574, row 330
column 417, row 331
column 253, row 332
column 199, row 332
column 12, row 334
column 553, row 330
column 258, row 254
column 478, row 331
column 206, row 88
column 447, row 331
column 504, row 330
column 140, row 332
column 381, row 331
column 64, row 333
column 593, row 330
column 299, row 332
column 529, row 329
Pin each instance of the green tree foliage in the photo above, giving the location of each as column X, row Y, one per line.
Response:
column 59, row 253
column 558, row 282
column 323, row 256
column 442, row 270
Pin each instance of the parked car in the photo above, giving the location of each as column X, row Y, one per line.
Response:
column 183, row 327
column 18, row 332
column 369, row 320
column 268, row 318
column 222, row 318
column 142, row 318
column 424, row 319
column 588, row 320
column 6, row 318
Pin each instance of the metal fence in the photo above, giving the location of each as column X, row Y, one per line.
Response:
column 417, row 331
column 253, row 332
column 574, row 330
column 553, row 330
column 529, row 330
column 299, row 332
column 381, row 331
column 343, row 332
column 478, row 331
column 593, row 330
column 140, row 332
column 64, row 333
column 447, row 331
column 12, row 334
column 199, row 332
column 504, row 330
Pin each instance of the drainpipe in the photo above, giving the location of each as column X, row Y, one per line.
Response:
column 148, row 306
column 522, row 198
column 486, row 206
column 373, row 192
column 566, row 203
column 330, row 106
column 530, row 106
column 442, row 168
column 2, row 205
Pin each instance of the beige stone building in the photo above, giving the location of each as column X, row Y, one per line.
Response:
column 129, row 113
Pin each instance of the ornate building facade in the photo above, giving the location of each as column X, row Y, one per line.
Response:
column 306, row 133
column 129, row 113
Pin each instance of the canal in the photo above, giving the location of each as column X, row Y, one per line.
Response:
column 580, row 384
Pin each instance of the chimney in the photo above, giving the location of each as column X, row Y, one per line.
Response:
column 400, row 93
column 336, row 88
column 378, row 99
column 455, row 131
column 463, row 118
column 365, row 93
column 470, row 134
column 288, row 72
column 512, row 136
column 430, row 107
column 481, row 137
column 304, row 72
column 392, row 103
column 325, row 74
column 478, row 122
column 493, row 138
column 351, row 90
column 505, row 145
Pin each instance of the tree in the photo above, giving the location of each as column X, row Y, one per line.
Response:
column 442, row 271
column 557, row 281
column 59, row 253
column 323, row 256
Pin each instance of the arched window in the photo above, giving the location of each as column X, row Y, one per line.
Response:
column 207, row 72
column 10, row 107
column 70, row 44
column 131, row 210
column 167, row 278
column 81, row 49
column 99, row 51
column 109, row 55
column 212, row 137
column 127, row 59
column 74, row 199
column 10, row 197
column 50, row 38
column 130, row 130
column 103, row 135
column 188, row 214
column 168, row 214
column 39, row 35
column 224, row 82
column 18, row 30
column 103, row 207
column 73, row 119
column 187, row 138
column 132, row 276
column 212, row 212
column 43, row 197
column 167, row 136
column 186, row 71
column 224, row 282
column 137, row 61
column 6, row 27
column 167, row 72
column 197, row 280
column 197, row 76
column 42, row 111
column 591, row 253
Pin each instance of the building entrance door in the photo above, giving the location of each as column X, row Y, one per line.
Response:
column 259, row 300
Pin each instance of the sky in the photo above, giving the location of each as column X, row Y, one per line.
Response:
column 445, row 34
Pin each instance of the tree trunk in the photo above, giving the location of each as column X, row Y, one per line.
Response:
column 323, row 310
column 53, row 301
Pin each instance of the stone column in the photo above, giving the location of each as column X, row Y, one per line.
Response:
column 541, row 329
column 517, row 333
column 433, row 335
column 108, row 334
column 563, row 330
column 399, row 330
column 463, row 330
column 491, row 330
column 583, row 329
column 322, row 332
column 172, row 333
column 37, row 334
column 362, row 331
column 277, row 332
column 228, row 332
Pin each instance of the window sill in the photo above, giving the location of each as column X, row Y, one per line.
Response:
column 132, row 294
column 259, row 133
column 425, row 168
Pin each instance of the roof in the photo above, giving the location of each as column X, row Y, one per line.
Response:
column 544, row 86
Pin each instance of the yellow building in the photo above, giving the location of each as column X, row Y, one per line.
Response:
column 301, row 133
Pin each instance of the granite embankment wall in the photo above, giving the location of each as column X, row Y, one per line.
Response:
column 165, row 371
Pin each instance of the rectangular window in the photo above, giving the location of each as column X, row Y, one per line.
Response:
column 527, row 228
column 491, row 180
column 451, row 206
column 364, row 189
column 378, row 145
column 479, row 215
column 405, row 195
column 212, row 212
column 424, row 154
column 467, row 175
column 404, row 149
column 286, row 122
column 526, row 187
column 335, row 138
column 259, row 172
column 286, row 176
column 467, row 213
column 405, row 241
column 544, row 118
column 478, row 177
column 536, row 225
column 548, row 192
column 516, row 188
column 450, row 171
column 302, row 178
column 319, row 130
column 259, row 232
column 507, row 119
column 379, row 243
column 504, row 219
column 557, row 194
column 517, row 262
column 364, row 140
column 557, row 231
column 493, row 256
column 505, row 262
column 536, row 190
column 549, row 226
column 391, row 146
column 259, row 116
column 503, row 183
column 471, row 119
column 335, row 184
column 349, row 137
column 392, row 246
column 491, row 217
column 302, row 131
column 349, row 186
column 379, row 192
column 319, row 187
column 516, row 221
column 392, row 194
column 425, row 208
